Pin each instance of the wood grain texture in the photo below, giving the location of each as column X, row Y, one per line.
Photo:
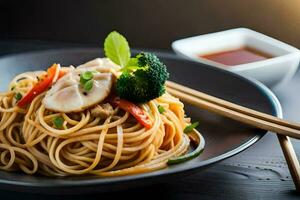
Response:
column 259, row 172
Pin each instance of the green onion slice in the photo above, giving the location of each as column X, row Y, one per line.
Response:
column 161, row 109
column 58, row 122
column 88, row 85
column 18, row 96
column 191, row 127
column 199, row 149
column 86, row 76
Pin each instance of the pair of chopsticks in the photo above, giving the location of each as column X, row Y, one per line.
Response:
column 248, row 116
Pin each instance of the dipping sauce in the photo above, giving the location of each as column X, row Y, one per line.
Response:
column 237, row 56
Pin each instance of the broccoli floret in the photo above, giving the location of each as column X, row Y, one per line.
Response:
column 145, row 83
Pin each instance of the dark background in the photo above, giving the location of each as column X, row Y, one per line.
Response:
column 146, row 23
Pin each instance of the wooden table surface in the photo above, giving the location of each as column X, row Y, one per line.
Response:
column 259, row 172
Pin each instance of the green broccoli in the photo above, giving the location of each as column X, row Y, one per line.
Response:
column 146, row 82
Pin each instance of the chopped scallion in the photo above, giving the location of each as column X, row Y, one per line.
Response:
column 18, row 96
column 58, row 122
column 161, row 109
column 191, row 155
column 88, row 85
column 190, row 128
column 86, row 76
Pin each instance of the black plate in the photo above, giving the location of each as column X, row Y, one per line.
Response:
column 224, row 137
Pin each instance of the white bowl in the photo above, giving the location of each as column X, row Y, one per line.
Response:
column 273, row 71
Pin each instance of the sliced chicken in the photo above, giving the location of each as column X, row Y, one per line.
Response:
column 68, row 95
column 99, row 64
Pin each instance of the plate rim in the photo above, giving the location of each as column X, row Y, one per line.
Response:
column 276, row 107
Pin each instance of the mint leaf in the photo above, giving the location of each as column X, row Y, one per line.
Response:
column 133, row 62
column 131, row 66
column 129, row 69
column 116, row 48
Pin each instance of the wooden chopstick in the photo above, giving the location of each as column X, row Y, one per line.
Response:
column 234, row 111
column 248, row 116
column 291, row 159
column 232, row 106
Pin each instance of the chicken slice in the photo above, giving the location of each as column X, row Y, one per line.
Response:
column 67, row 94
column 99, row 64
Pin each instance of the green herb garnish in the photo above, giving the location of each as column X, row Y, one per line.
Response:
column 86, row 76
column 143, row 77
column 161, row 109
column 58, row 122
column 117, row 49
column 129, row 68
column 18, row 96
column 86, row 80
column 133, row 62
column 191, row 155
column 88, row 85
column 190, row 128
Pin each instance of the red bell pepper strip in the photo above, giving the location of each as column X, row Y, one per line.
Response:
column 62, row 72
column 40, row 87
column 139, row 114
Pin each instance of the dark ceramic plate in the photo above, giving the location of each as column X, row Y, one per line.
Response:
column 224, row 137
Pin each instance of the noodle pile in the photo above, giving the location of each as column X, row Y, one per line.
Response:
column 113, row 146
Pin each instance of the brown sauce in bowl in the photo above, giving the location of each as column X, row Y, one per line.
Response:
column 238, row 56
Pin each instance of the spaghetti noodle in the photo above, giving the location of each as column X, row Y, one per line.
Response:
column 112, row 145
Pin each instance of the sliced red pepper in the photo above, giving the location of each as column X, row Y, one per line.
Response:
column 62, row 72
column 40, row 87
column 139, row 114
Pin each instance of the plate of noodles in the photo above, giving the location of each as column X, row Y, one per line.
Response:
column 100, row 120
